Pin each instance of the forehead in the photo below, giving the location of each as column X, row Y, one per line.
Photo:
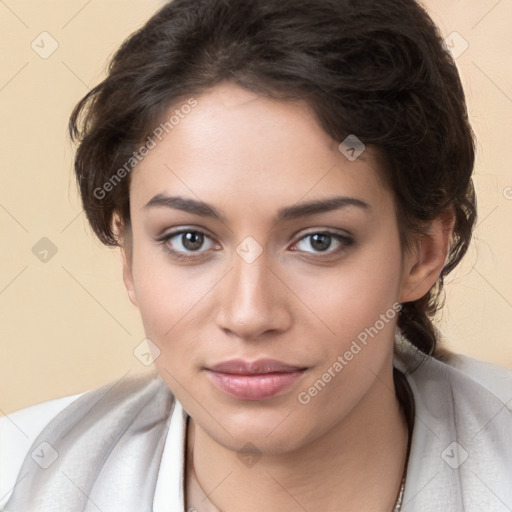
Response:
column 236, row 145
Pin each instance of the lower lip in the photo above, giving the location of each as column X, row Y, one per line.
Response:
column 254, row 387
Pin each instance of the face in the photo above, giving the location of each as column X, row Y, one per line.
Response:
column 264, row 260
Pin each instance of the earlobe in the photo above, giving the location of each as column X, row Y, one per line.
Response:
column 424, row 263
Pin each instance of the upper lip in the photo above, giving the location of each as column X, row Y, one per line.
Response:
column 261, row 366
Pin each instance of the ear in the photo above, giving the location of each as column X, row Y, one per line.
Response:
column 424, row 263
column 124, row 235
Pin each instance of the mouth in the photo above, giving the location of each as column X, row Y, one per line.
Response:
column 256, row 380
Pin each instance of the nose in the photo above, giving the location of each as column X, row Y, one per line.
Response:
column 252, row 301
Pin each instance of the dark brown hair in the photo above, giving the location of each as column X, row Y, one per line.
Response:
column 374, row 68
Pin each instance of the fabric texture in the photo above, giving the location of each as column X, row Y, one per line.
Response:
column 108, row 444
column 121, row 448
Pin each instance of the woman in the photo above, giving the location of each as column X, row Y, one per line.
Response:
column 288, row 182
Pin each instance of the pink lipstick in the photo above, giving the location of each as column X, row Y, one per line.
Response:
column 256, row 380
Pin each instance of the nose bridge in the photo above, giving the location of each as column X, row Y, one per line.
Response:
column 249, row 285
column 250, row 303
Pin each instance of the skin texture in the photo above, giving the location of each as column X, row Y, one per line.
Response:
column 249, row 156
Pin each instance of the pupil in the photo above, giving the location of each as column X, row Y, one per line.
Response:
column 320, row 242
column 192, row 240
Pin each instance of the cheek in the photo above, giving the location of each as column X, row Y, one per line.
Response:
column 359, row 306
column 353, row 296
column 167, row 295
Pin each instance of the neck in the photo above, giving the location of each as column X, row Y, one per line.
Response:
column 357, row 466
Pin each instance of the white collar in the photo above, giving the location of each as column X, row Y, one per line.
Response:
column 169, row 490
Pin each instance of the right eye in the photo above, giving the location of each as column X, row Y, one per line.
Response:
column 186, row 243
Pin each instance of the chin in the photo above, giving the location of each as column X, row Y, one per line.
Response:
column 272, row 432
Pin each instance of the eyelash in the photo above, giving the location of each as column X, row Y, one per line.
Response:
column 344, row 240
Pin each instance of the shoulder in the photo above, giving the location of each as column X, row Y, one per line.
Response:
column 472, row 379
column 105, row 420
column 462, row 374
column 18, row 431
column 494, row 378
column 461, row 447
column 463, row 396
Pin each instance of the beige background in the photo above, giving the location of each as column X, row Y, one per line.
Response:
column 66, row 324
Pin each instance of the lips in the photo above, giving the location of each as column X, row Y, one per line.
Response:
column 255, row 380
column 240, row 367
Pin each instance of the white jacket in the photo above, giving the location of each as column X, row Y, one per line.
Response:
column 460, row 460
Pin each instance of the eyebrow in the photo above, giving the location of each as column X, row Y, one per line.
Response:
column 203, row 209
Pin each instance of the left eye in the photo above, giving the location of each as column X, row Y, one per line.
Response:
column 322, row 242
